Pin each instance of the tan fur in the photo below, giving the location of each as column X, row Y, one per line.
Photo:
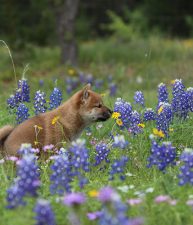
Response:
column 83, row 108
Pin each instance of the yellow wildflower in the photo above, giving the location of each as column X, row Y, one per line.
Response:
column 158, row 133
column 171, row 129
column 115, row 115
column 103, row 94
column 36, row 142
column 71, row 72
column 142, row 125
column 173, row 81
column 119, row 122
column 93, row 193
column 55, row 119
column 40, row 128
column 160, row 110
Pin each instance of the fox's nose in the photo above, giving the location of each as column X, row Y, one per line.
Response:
column 107, row 113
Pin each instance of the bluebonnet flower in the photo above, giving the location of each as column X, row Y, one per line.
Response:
column 139, row 98
column 22, row 113
column 44, row 213
column 112, row 89
column 89, row 79
column 180, row 100
column 125, row 109
column 39, row 102
column 61, row 176
column 55, row 98
column 98, row 83
column 162, row 93
column 135, row 120
column 164, row 117
column 118, row 167
column 190, row 98
column 18, row 96
column 162, row 155
column 71, row 84
column 102, row 152
column 114, row 211
column 119, row 142
column 27, row 182
column 25, row 90
column 79, row 157
column 11, row 102
column 149, row 114
column 186, row 175
column 14, row 196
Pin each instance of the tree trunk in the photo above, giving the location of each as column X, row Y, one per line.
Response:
column 66, row 13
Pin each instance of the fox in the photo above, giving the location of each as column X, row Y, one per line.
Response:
column 63, row 124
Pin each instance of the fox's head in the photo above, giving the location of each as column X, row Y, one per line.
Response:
column 91, row 107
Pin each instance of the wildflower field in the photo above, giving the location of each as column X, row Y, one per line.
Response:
column 136, row 168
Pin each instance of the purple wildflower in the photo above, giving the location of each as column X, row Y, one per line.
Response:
column 73, row 199
column 94, row 215
column 107, row 194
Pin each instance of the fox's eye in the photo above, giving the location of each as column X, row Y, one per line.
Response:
column 98, row 105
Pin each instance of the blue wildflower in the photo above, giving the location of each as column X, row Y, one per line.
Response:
column 61, row 175
column 149, row 114
column 164, row 117
column 39, row 102
column 186, row 175
column 98, row 83
column 118, row 167
column 11, row 102
column 27, row 182
column 79, row 157
column 180, row 100
column 119, row 142
column 190, row 98
column 162, row 93
column 55, row 98
column 112, row 89
column 25, row 90
column 135, row 120
column 44, row 213
column 22, row 113
column 162, row 155
column 102, row 152
column 139, row 98
column 125, row 109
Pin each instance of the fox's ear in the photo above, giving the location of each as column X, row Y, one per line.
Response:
column 85, row 94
